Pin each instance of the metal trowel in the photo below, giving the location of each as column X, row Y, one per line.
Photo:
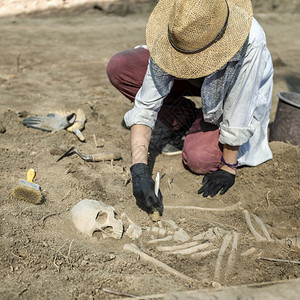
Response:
column 94, row 157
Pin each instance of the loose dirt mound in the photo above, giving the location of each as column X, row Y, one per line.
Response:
column 53, row 62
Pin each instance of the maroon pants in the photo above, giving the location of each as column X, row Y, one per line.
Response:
column 201, row 151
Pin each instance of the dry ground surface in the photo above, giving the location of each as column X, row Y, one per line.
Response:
column 56, row 59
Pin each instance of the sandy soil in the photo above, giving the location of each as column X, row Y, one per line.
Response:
column 56, row 60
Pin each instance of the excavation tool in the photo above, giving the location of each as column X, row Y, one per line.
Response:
column 155, row 215
column 27, row 190
column 94, row 157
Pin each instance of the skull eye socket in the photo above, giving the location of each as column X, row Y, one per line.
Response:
column 102, row 217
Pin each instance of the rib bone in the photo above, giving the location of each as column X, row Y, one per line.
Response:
column 167, row 238
column 222, row 251
column 192, row 249
column 204, row 253
column 177, row 247
column 232, row 255
column 262, row 226
column 257, row 236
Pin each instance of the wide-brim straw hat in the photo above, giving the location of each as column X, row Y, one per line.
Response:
column 194, row 38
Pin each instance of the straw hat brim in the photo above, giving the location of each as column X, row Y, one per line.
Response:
column 190, row 66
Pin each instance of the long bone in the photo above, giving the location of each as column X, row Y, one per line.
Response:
column 225, row 208
column 135, row 249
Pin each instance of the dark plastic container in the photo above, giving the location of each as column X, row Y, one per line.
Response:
column 286, row 126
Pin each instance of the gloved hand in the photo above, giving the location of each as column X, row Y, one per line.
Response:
column 50, row 122
column 214, row 182
column 143, row 189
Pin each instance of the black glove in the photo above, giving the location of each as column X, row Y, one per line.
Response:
column 50, row 122
column 143, row 189
column 214, row 182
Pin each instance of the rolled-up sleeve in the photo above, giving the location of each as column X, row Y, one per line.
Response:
column 156, row 86
column 244, row 106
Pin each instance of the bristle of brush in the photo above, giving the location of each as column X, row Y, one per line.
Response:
column 28, row 194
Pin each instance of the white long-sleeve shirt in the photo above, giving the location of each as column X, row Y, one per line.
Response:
column 241, row 111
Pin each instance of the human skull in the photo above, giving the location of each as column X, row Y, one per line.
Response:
column 92, row 215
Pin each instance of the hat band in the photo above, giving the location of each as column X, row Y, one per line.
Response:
column 219, row 35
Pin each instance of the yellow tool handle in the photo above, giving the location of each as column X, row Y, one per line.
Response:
column 30, row 175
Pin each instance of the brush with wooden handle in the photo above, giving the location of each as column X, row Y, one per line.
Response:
column 28, row 191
